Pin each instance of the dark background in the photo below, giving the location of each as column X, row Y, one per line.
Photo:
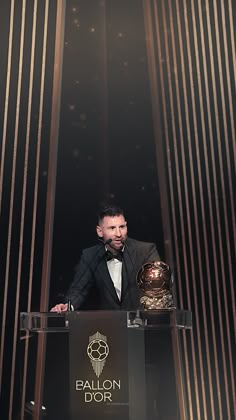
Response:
column 147, row 118
column 106, row 142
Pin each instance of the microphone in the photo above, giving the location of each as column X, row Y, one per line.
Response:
column 87, row 268
column 69, row 306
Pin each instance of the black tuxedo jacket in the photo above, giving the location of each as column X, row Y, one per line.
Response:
column 92, row 287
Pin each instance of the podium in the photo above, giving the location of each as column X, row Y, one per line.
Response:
column 108, row 365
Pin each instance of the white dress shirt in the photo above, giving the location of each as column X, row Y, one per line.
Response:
column 115, row 269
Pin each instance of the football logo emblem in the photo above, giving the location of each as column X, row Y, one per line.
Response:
column 98, row 351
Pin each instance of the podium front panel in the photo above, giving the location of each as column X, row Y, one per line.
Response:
column 98, row 349
column 109, row 365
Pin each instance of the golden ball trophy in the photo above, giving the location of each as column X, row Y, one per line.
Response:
column 155, row 282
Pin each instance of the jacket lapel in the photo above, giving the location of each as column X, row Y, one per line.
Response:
column 106, row 278
column 128, row 271
column 128, row 266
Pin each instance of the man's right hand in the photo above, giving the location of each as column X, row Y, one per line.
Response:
column 60, row 307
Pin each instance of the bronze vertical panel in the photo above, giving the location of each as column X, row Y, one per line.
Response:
column 149, row 28
column 183, row 158
column 37, row 165
column 16, row 135
column 52, row 165
column 216, row 75
column 194, row 66
column 31, row 77
column 198, row 127
column 28, row 102
column 179, row 157
column 184, row 231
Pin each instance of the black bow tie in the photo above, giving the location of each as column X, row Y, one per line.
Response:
column 110, row 256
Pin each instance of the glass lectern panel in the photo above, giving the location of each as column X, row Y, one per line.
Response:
column 55, row 322
column 112, row 365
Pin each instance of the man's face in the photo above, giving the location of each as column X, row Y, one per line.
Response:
column 114, row 228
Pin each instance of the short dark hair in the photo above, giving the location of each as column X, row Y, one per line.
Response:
column 109, row 209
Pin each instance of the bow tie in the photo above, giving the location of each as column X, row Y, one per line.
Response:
column 110, row 256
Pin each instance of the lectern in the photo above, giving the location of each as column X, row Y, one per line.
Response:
column 103, row 365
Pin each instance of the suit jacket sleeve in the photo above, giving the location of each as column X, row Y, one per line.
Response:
column 82, row 283
column 152, row 253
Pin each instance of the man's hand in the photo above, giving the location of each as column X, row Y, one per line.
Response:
column 61, row 307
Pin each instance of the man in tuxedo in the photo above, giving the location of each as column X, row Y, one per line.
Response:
column 106, row 273
column 105, row 279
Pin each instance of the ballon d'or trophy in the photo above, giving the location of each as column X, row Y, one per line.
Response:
column 155, row 282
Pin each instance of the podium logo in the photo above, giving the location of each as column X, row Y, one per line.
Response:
column 97, row 391
column 98, row 351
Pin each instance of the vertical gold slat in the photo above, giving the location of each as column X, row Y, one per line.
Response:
column 220, row 52
column 4, row 138
column 183, row 157
column 206, row 200
column 188, row 384
column 201, row 196
column 37, row 167
column 233, row 224
column 31, row 77
column 233, row 49
column 39, row 139
column 161, row 175
column 210, row 199
column 190, row 272
column 212, row 156
column 197, row 232
column 207, row 245
column 217, row 141
column 157, row 31
column 233, row 133
column 211, row 139
column 227, row 67
column 59, row 42
column 178, row 160
column 210, row 208
column 15, row 329
column 160, row 54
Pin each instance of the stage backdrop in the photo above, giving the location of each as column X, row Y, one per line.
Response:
column 134, row 100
